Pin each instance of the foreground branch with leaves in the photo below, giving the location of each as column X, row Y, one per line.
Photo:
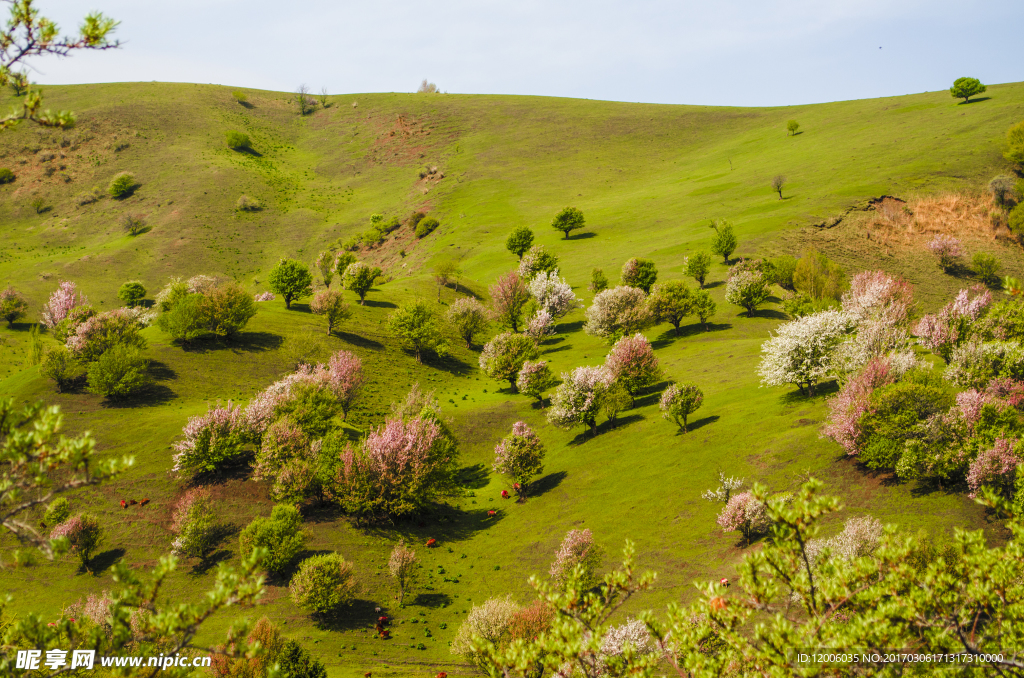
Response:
column 794, row 595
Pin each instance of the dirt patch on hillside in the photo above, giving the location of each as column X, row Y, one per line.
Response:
column 400, row 140
column 894, row 222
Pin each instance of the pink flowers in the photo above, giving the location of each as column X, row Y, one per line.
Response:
column 746, row 514
column 632, row 363
column 996, row 467
column 210, row 439
column 947, row 249
column 847, row 407
column 951, row 326
column 65, row 298
column 577, row 549
column 265, row 296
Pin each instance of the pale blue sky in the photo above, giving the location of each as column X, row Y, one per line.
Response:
column 746, row 53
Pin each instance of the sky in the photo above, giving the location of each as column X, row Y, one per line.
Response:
column 713, row 52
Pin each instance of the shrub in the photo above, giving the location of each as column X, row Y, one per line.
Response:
column 509, row 296
column 504, row 355
column 240, row 97
column 784, row 271
column 325, row 264
column 553, row 294
column 519, row 457
column 1003, row 190
column 122, row 185
column 296, row 662
column 965, row 88
column 292, row 280
column 402, row 566
column 537, row 260
column 83, row 534
column 671, row 301
column 331, row 305
column 186, row 321
column 948, row 250
column 698, row 266
column 131, row 292
column 568, row 220
column 341, row 264
column 541, row 325
column 791, row 127
column 986, row 267
column 12, row 305
column 975, row 364
column 237, row 140
column 119, row 373
column 281, row 535
column 62, row 367
column 324, row 584
column 489, row 621
column 819, row 277
column 360, row 279
column 61, row 303
column 415, row 325
column 193, row 525
column 415, row 218
column 99, row 333
column 952, row 325
column 534, row 378
column 804, row 351
column 6, row 176
column 426, row 227
column 598, row 281
column 578, row 399
column 577, row 550
column 1016, row 219
column 57, row 512
column 724, row 242
column 1015, row 145
column 632, row 363
column 617, row 312
column 468, row 317
column 748, row 289
column 247, row 204
column 639, row 273
column 679, row 402
column 745, row 513
column 519, row 241
column 228, row 309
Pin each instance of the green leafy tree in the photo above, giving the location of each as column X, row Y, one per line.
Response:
column 292, row 280
column 639, row 273
column 783, row 269
column 426, row 227
column 671, row 301
column 13, row 306
column 598, row 281
column 122, row 186
column 568, row 220
column 698, row 266
column 416, row 325
column 131, row 293
column 986, row 267
column 791, row 127
column 402, row 565
column 519, row 457
column 186, row 319
column 295, row 662
column 359, row 278
column 237, row 140
column 679, row 402
column 25, row 35
column 331, row 305
column 280, row 536
column 724, row 243
column 778, row 181
column 748, row 289
column 704, row 307
column 446, row 272
column 965, row 88
column 57, row 512
column 519, row 241
column 83, row 535
column 468, row 317
column 119, row 373
column 325, row 264
column 1015, row 145
column 324, row 584
column 61, row 366
column 819, row 277
column 341, row 264
column 228, row 309
column 504, row 355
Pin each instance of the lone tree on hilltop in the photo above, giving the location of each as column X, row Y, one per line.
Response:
column 778, row 181
column 568, row 220
column 303, row 100
column 965, row 88
column 292, row 280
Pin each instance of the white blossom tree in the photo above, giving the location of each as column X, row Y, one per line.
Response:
column 554, row 294
column 804, row 351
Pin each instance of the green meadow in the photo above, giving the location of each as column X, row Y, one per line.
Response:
column 649, row 179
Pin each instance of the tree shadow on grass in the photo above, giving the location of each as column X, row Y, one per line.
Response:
column 210, row 561
column 546, row 484
column 605, row 427
column 929, row 486
column 153, row 395
column 375, row 303
column 449, row 363
column 473, row 477
column 322, row 512
column 771, row 313
column 973, row 101
column 712, row 285
column 360, row 341
column 567, row 328
column 432, row 600
column 359, row 615
column 821, row 391
column 699, row 423
column 586, row 235
column 244, row 342
column 249, row 151
column 650, row 395
column 161, row 371
column 237, row 469
column 102, row 562
column 557, row 349
column 667, row 337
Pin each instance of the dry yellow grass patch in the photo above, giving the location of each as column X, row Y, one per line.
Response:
column 915, row 222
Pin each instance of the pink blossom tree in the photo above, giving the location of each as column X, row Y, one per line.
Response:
column 847, row 407
column 346, row 378
column 679, row 402
column 617, row 312
column 192, row 523
column 947, row 249
column 509, row 297
column 996, row 468
column 578, row 399
column 12, row 305
column 540, row 326
column 879, row 307
column 83, row 534
column 211, row 440
column 61, row 302
column 534, row 379
column 950, row 327
column 519, row 457
column 98, row 333
column 745, row 513
column 576, row 561
column 331, row 305
column 633, row 364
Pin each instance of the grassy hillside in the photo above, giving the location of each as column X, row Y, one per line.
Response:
column 648, row 178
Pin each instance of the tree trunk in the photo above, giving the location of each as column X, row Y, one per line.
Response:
column 439, row 291
column 677, row 328
column 419, row 358
column 684, row 424
column 593, row 427
column 512, row 385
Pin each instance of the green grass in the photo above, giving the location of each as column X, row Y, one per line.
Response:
column 649, row 178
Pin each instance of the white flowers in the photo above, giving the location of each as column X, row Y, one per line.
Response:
column 554, row 294
column 804, row 351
